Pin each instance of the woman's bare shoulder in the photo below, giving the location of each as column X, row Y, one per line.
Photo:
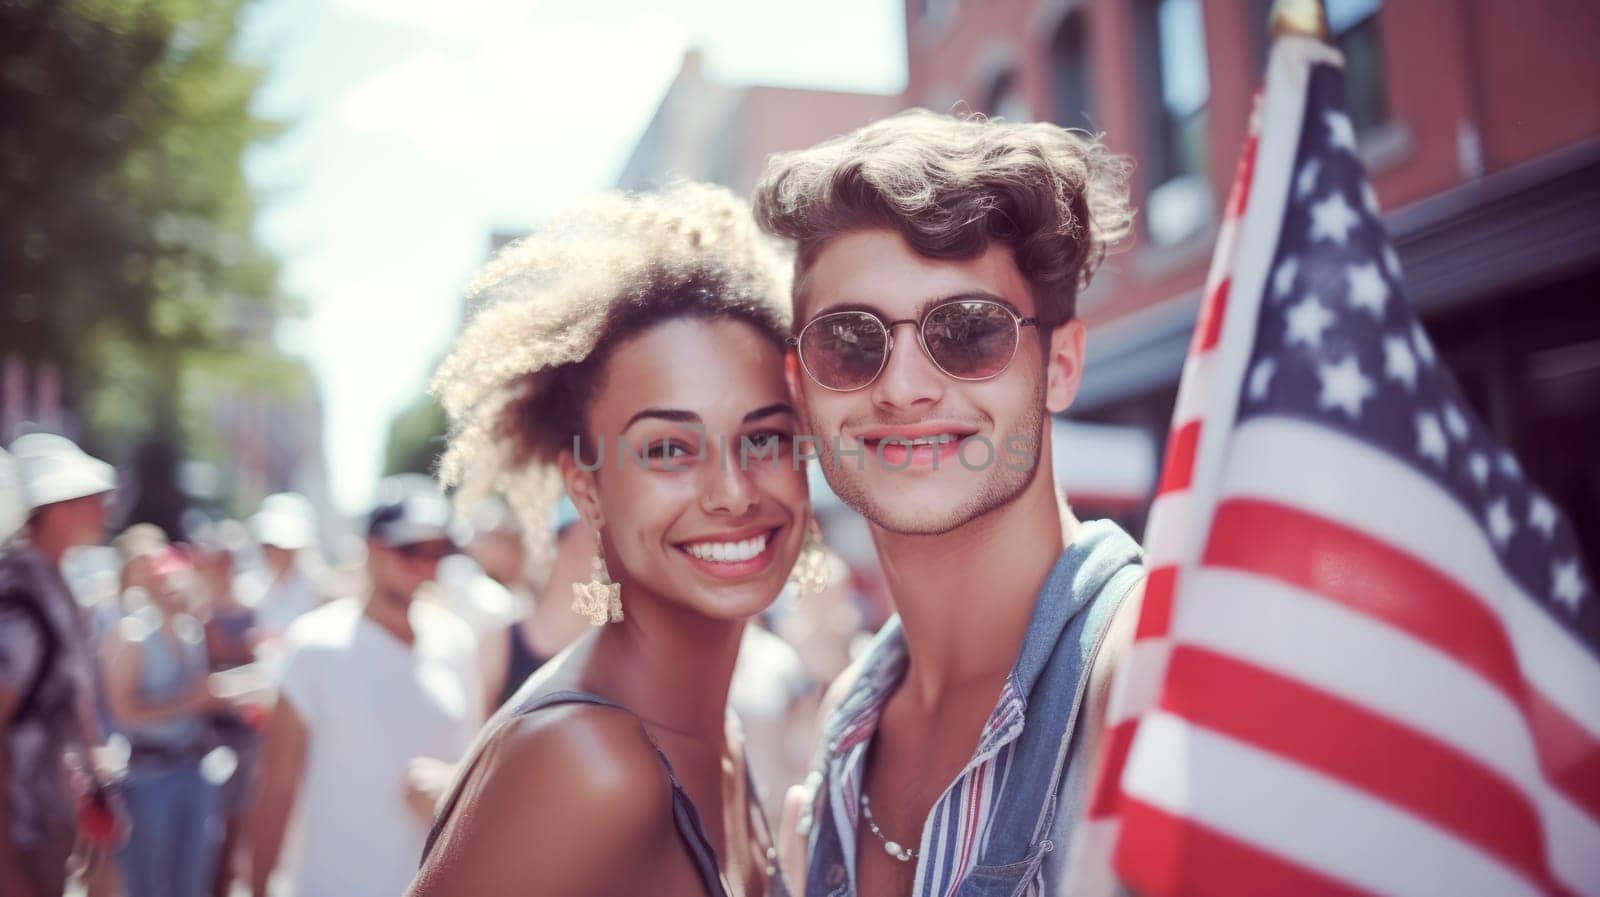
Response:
column 554, row 800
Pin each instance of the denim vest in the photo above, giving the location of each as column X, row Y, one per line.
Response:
column 1042, row 799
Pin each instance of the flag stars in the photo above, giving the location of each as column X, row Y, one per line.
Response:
column 1542, row 516
column 1369, row 198
column 1509, row 466
column 1399, row 364
column 1419, row 341
column 1566, row 583
column 1306, row 181
column 1307, row 321
column 1501, row 526
column 1340, row 132
column 1333, row 219
column 1391, row 262
column 1430, row 438
column 1478, row 466
column 1456, row 423
column 1283, row 278
column 1344, row 386
column 1367, row 288
column 1261, row 379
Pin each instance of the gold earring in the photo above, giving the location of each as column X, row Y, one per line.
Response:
column 599, row 599
column 812, row 569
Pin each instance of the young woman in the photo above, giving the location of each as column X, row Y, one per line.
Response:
column 160, row 695
column 634, row 356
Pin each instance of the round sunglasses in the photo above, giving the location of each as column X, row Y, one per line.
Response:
column 968, row 339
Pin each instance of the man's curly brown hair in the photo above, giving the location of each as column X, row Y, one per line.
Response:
column 952, row 185
column 548, row 311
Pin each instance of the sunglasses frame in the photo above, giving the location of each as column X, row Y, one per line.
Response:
column 410, row 553
column 1019, row 321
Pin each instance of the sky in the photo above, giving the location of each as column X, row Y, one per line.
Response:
column 415, row 129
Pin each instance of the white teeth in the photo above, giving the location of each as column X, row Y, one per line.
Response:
column 936, row 439
column 728, row 552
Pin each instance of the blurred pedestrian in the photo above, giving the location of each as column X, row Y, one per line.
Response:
column 231, row 631
column 48, row 730
column 282, row 590
column 483, row 585
column 160, row 692
column 369, row 686
column 547, row 623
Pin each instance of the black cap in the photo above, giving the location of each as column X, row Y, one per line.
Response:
column 410, row 509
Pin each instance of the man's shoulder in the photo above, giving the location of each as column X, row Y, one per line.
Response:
column 330, row 625
column 444, row 624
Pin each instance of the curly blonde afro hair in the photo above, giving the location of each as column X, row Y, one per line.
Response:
column 954, row 184
column 547, row 311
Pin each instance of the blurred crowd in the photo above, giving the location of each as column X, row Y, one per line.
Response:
column 228, row 710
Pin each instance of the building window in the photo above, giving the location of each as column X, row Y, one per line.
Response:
column 1005, row 100
column 1071, row 84
column 1176, row 93
column 1353, row 28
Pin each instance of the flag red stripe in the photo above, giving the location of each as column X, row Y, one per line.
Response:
column 1372, row 752
column 1114, row 746
column 1178, row 470
column 1208, row 332
column 1155, row 609
column 1244, row 174
column 1160, row 853
column 1374, row 578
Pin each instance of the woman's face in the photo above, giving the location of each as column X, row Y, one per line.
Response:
column 172, row 591
column 697, row 490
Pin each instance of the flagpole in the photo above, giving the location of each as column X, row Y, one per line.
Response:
column 1306, row 18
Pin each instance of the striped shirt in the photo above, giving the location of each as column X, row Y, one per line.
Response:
column 955, row 834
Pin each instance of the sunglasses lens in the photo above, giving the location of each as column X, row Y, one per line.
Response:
column 972, row 339
column 844, row 350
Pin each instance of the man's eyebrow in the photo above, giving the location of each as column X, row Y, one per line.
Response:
column 922, row 308
column 668, row 414
column 768, row 411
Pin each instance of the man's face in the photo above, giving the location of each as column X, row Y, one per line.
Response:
column 399, row 570
column 997, row 424
column 80, row 521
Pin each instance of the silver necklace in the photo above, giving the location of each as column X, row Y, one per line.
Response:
column 892, row 848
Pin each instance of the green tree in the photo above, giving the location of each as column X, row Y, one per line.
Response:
column 126, row 243
column 416, row 438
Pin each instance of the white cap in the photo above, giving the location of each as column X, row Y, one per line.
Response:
column 286, row 520
column 53, row 469
column 12, row 511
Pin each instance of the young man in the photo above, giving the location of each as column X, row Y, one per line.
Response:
column 47, row 721
column 939, row 263
column 369, row 687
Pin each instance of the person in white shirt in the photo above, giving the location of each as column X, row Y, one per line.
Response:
column 281, row 590
column 378, row 696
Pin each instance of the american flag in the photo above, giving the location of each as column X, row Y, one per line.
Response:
column 1368, row 659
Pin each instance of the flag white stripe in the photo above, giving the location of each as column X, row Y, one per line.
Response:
column 1308, row 638
column 1171, row 516
column 1195, row 388
column 1385, row 498
column 1307, row 818
column 1283, row 103
column 1137, row 686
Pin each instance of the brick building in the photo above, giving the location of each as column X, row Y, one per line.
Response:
column 1480, row 125
column 709, row 131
